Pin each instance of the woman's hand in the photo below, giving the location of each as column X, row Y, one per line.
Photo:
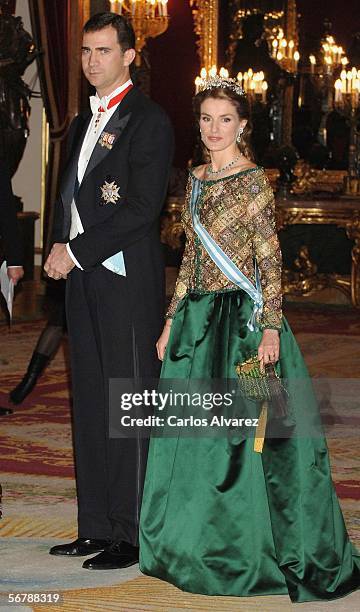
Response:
column 269, row 347
column 163, row 340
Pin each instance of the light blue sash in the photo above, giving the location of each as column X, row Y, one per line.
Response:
column 223, row 262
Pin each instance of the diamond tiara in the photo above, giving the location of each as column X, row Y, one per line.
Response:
column 216, row 81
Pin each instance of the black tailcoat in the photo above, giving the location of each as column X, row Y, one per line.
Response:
column 9, row 233
column 114, row 321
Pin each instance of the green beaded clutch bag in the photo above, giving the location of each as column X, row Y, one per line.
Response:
column 262, row 386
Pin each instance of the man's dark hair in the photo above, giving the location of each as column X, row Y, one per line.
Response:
column 125, row 32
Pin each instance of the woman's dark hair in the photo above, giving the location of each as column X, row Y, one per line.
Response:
column 125, row 32
column 243, row 110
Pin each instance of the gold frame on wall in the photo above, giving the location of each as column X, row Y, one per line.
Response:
column 206, row 20
column 206, row 28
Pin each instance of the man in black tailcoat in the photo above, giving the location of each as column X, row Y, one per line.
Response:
column 9, row 234
column 107, row 245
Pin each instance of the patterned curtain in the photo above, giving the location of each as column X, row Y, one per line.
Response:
column 50, row 30
column 56, row 28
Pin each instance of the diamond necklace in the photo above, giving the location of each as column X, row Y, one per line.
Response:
column 209, row 169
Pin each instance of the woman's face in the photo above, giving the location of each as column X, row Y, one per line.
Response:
column 219, row 124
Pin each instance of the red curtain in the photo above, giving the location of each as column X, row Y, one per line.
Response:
column 50, row 25
column 174, row 66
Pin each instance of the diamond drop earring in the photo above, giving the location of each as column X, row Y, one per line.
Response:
column 239, row 135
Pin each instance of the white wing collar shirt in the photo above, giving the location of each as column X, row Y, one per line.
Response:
column 96, row 126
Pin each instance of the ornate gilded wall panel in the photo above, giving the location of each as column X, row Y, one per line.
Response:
column 206, row 19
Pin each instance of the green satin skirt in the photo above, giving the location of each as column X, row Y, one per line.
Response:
column 220, row 519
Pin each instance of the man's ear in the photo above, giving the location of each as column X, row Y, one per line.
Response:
column 129, row 56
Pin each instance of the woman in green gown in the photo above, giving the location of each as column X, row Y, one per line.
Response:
column 217, row 517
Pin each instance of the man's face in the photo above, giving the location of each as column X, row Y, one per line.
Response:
column 104, row 64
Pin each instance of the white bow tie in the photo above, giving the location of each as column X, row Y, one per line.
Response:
column 96, row 103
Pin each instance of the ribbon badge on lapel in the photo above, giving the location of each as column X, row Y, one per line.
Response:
column 109, row 193
column 107, row 140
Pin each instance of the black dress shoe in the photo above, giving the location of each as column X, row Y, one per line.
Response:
column 80, row 548
column 5, row 411
column 116, row 556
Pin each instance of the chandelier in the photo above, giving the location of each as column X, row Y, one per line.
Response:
column 149, row 18
column 332, row 57
column 347, row 88
column 253, row 84
column 285, row 52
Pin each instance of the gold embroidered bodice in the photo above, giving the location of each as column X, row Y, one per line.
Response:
column 239, row 213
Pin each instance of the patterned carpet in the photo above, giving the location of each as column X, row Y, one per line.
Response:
column 39, row 506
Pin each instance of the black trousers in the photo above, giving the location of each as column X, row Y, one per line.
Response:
column 103, row 345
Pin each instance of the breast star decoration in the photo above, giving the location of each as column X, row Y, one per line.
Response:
column 110, row 193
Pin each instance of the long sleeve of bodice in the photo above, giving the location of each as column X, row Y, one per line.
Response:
column 182, row 283
column 188, row 259
column 261, row 211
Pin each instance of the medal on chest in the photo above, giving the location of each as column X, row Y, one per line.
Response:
column 107, row 140
column 110, row 193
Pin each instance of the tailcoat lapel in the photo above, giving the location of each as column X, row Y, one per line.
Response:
column 67, row 188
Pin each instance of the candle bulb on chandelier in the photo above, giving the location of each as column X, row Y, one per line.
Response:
column 264, row 88
column 291, row 48
column 246, row 82
column 296, row 59
column 198, row 82
column 312, row 59
column 275, row 45
column 343, row 81
column 224, row 73
column 354, row 78
column 338, row 91
column 213, row 71
column 348, row 81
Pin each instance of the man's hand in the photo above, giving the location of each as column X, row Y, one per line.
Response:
column 15, row 273
column 59, row 262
